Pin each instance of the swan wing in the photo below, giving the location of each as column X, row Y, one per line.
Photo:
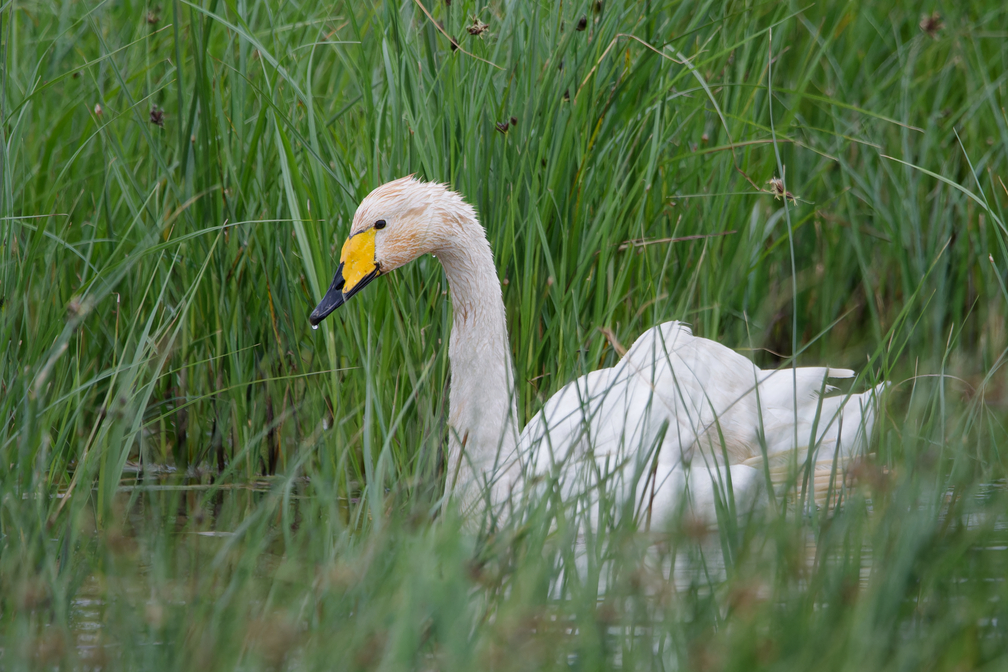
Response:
column 676, row 400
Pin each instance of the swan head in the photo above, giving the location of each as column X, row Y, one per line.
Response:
column 394, row 224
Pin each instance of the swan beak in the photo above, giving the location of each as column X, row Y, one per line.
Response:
column 357, row 268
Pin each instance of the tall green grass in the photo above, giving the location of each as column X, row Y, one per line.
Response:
column 191, row 476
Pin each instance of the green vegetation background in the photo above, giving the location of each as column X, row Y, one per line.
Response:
column 192, row 477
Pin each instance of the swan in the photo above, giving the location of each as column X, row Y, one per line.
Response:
column 676, row 414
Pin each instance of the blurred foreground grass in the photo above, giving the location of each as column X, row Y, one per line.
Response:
column 192, row 477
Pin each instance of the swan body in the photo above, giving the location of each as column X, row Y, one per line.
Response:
column 674, row 422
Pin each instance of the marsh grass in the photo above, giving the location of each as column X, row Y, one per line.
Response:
column 158, row 267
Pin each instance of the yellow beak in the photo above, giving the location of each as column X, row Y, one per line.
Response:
column 356, row 269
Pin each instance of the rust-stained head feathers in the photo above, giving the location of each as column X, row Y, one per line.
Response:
column 394, row 224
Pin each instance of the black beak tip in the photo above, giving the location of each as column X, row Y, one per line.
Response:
column 336, row 297
column 332, row 300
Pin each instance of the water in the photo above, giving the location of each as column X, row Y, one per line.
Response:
column 205, row 526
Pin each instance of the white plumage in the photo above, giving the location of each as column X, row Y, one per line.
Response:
column 675, row 409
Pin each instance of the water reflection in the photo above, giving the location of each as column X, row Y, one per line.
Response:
column 183, row 528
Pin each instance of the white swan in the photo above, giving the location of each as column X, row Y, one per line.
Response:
column 673, row 400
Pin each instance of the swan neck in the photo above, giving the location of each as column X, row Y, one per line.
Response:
column 483, row 409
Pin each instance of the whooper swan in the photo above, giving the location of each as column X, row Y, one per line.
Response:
column 675, row 407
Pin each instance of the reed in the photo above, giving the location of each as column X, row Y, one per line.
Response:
column 187, row 456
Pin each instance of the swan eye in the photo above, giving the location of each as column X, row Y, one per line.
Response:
column 380, row 224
